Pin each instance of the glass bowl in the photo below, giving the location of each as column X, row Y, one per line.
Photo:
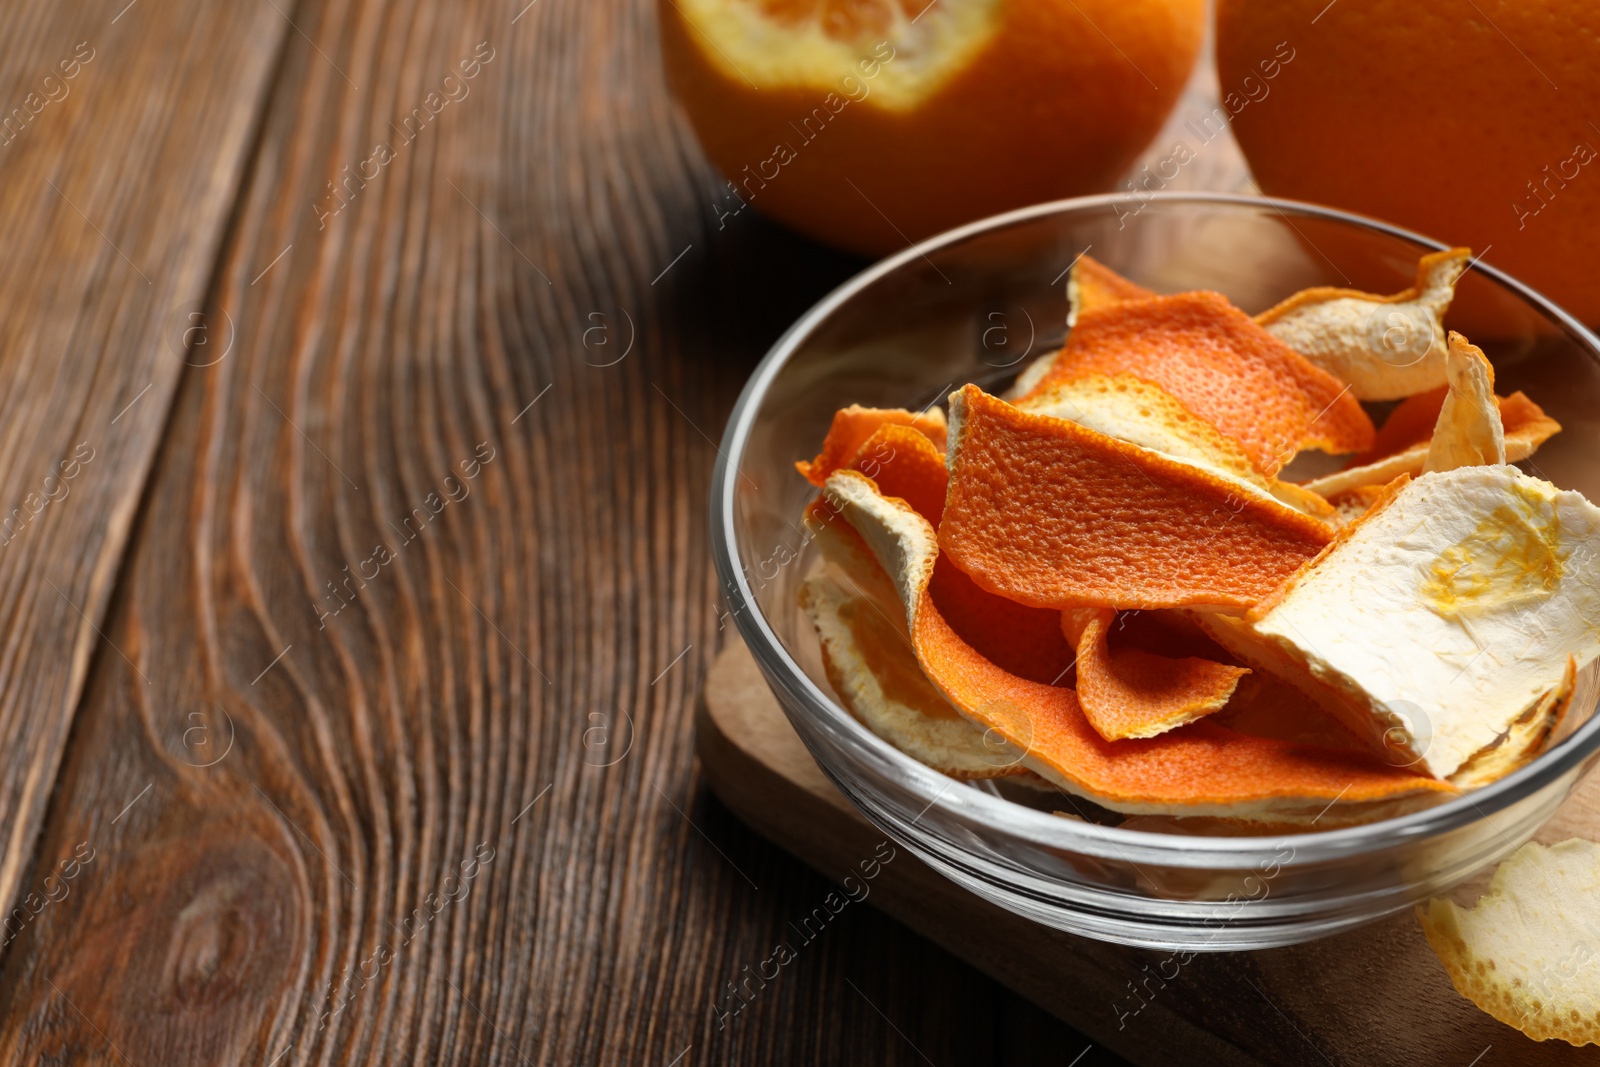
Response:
column 976, row 304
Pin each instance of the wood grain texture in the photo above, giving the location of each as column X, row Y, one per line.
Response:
column 439, row 804
column 1377, row 995
column 123, row 136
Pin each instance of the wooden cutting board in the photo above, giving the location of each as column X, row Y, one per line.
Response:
column 1373, row 996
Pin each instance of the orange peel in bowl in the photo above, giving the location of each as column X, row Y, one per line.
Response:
column 906, row 463
column 1199, row 769
column 1526, row 953
column 1054, row 515
column 1525, row 738
column 1133, row 410
column 1469, row 432
column 1434, row 421
column 1093, row 285
column 1090, row 285
column 905, row 466
column 851, row 428
column 1128, row 692
column 1385, row 347
column 1493, row 578
column 1221, row 366
column 868, row 660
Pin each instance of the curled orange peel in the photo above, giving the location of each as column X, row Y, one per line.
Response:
column 869, row 662
column 1053, row 515
column 1488, row 573
column 1128, row 692
column 1090, row 285
column 1421, row 422
column 1200, row 769
column 1385, row 347
column 1143, row 414
column 1469, row 432
column 1093, row 285
column 1223, row 368
column 905, row 466
column 851, row 428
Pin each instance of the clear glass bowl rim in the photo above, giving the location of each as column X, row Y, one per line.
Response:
column 1040, row 828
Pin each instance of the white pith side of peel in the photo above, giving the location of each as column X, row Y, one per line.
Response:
column 1443, row 684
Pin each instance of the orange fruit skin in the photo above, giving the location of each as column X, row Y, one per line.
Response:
column 1049, row 108
column 1128, row 692
column 1436, row 115
column 1223, row 367
column 1047, row 513
column 854, row 426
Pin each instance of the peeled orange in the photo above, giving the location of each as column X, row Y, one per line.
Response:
column 869, row 124
column 1472, row 122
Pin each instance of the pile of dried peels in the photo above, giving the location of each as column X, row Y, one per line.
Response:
column 1101, row 583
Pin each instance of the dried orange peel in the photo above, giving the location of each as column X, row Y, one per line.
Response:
column 1104, row 587
column 1385, row 347
column 1129, row 692
column 1523, row 740
column 1469, row 432
column 1223, row 368
column 1491, row 576
column 1090, row 285
column 859, row 665
column 851, row 428
column 1133, row 410
column 1093, row 285
column 1196, row 770
column 869, row 663
column 1054, row 515
column 1526, row 953
column 1452, row 425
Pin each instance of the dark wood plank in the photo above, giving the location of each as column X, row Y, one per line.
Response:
column 124, row 130
column 276, row 815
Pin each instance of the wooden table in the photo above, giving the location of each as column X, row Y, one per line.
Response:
column 362, row 369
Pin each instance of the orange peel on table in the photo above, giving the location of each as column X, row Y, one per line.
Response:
column 1433, row 421
column 1223, row 368
column 1385, row 347
column 1199, row 769
column 1525, row 953
column 851, row 428
column 1053, row 515
column 1128, row 692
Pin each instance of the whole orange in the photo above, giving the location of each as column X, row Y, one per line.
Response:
column 1472, row 121
column 869, row 124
